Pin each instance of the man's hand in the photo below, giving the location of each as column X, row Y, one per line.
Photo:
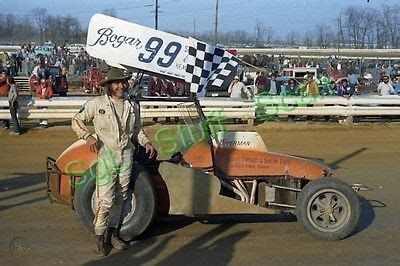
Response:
column 150, row 151
column 92, row 142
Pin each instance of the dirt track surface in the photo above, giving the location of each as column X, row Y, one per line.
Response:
column 35, row 232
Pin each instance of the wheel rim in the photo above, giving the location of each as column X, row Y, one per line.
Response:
column 128, row 209
column 328, row 210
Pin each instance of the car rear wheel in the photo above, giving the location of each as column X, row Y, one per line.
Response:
column 328, row 208
column 138, row 210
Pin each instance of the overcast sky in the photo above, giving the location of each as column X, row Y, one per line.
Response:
column 282, row 16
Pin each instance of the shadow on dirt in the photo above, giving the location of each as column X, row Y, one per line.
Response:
column 165, row 225
column 367, row 215
column 248, row 218
column 335, row 164
column 5, row 207
column 216, row 246
column 21, row 180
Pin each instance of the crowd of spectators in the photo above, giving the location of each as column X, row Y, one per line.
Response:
column 308, row 85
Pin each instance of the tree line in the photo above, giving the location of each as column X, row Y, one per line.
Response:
column 354, row 27
column 40, row 26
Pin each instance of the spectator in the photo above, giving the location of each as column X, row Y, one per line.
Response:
column 13, row 65
column 19, row 59
column 261, row 79
column 44, row 92
column 40, row 71
column 385, row 88
column 311, row 87
column 396, row 84
column 342, row 88
column 238, row 90
column 339, row 67
column 156, row 88
column 133, row 90
column 353, row 81
column 324, row 81
column 29, row 63
column 171, row 91
column 292, row 89
column 13, row 104
column 4, row 89
column 272, row 86
column 330, row 88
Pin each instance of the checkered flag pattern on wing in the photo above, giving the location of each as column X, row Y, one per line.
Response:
column 208, row 65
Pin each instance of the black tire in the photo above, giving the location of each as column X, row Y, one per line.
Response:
column 328, row 195
column 134, row 224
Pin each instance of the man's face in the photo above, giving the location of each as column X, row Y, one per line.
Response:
column 131, row 82
column 118, row 87
column 385, row 79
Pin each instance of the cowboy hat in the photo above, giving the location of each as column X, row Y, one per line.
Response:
column 114, row 74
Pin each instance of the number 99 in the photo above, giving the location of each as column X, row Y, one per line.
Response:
column 150, row 48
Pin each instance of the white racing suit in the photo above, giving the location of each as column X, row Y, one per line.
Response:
column 115, row 154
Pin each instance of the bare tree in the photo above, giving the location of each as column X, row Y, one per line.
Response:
column 292, row 38
column 110, row 12
column 26, row 31
column 308, row 39
column 320, row 31
column 40, row 15
column 370, row 21
column 391, row 24
column 77, row 33
column 10, row 25
column 259, row 32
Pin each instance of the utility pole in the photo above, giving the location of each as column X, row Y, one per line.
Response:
column 156, row 15
column 269, row 35
column 194, row 27
column 216, row 24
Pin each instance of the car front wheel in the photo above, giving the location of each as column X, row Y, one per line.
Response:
column 328, row 208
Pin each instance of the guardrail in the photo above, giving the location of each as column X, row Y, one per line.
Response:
column 261, row 107
column 22, row 82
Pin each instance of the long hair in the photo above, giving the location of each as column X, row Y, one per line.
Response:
column 107, row 89
column 11, row 80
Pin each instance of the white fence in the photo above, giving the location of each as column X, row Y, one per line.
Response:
column 261, row 107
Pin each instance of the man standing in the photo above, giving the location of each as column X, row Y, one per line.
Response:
column 116, row 123
column 272, row 86
column 4, row 89
column 13, row 104
column 238, row 90
column 260, row 82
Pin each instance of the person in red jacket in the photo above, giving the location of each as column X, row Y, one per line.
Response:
column 45, row 92
column 4, row 89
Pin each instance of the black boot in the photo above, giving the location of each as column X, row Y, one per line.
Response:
column 102, row 249
column 113, row 239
